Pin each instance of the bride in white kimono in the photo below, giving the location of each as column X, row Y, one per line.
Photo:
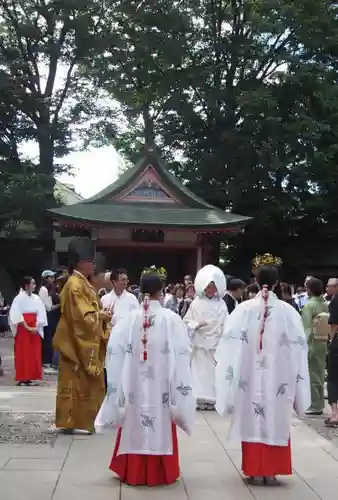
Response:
column 149, row 390
column 205, row 320
column 262, row 375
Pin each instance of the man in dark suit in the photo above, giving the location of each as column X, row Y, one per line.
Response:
column 234, row 294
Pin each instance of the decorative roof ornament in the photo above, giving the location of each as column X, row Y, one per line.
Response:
column 266, row 260
column 161, row 271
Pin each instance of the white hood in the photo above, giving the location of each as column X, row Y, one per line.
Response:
column 208, row 274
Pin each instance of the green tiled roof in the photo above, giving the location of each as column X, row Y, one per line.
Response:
column 143, row 215
column 193, row 213
column 187, row 197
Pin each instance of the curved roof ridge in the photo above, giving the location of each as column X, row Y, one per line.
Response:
column 153, row 159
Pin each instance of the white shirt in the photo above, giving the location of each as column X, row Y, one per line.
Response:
column 46, row 298
column 167, row 297
column 120, row 305
column 301, row 299
column 145, row 397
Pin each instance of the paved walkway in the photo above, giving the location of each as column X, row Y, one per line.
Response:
column 77, row 467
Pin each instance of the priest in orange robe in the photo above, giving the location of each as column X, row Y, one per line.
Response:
column 262, row 375
column 81, row 343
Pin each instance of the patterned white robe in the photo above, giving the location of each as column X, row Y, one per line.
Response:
column 260, row 388
column 145, row 397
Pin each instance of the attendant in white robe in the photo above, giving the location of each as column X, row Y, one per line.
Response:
column 27, row 317
column 119, row 302
column 262, row 375
column 205, row 320
column 149, row 390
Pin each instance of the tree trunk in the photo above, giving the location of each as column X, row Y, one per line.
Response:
column 149, row 133
column 46, row 163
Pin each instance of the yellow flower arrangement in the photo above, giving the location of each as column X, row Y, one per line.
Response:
column 266, row 260
column 161, row 271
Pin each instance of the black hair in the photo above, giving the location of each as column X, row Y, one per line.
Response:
column 178, row 287
column 234, row 284
column 151, row 284
column 71, row 268
column 60, row 271
column 26, row 280
column 278, row 290
column 98, row 270
column 253, row 288
column 47, row 284
column 315, row 286
column 115, row 273
column 286, row 288
column 267, row 275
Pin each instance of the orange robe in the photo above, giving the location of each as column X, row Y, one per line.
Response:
column 79, row 338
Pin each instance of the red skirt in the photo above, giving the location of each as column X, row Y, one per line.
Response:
column 146, row 470
column 27, row 351
column 265, row 460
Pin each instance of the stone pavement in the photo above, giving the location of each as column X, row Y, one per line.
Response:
column 77, row 467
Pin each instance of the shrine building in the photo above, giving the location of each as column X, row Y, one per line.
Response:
column 148, row 217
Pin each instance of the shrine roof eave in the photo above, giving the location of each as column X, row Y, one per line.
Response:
column 149, row 217
column 151, row 157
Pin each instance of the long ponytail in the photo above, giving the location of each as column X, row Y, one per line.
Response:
column 265, row 296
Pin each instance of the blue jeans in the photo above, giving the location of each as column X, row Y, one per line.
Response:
column 55, row 362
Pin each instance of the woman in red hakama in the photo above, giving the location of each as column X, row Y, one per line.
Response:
column 27, row 317
column 266, row 461
column 27, row 351
column 146, row 470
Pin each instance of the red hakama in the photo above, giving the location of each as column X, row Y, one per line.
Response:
column 146, row 470
column 265, row 460
column 27, row 351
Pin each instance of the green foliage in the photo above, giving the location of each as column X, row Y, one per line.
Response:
column 42, row 46
column 245, row 92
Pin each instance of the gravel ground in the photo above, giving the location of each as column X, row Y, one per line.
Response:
column 20, row 427
column 317, row 423
column 27, row 428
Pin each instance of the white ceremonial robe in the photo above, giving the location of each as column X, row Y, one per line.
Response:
column 24, row 303
column 260, row 388
column 204, row 343
column 145, row 397
column 121, row 305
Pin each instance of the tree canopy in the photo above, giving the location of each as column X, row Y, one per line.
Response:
column 241, row 97
column 42, row 44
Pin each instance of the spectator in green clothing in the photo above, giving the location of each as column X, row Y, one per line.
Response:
column 316, row 308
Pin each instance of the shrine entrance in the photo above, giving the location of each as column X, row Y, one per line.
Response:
column 148, row 217
column 177, row 261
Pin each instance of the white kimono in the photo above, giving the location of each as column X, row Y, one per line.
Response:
column 204, row 343
column 260, row 388
column 24, row 303
column 145, row 397
column 121, row 305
